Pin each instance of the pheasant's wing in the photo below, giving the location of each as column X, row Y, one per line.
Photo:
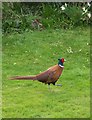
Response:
column 43, row 77
column 53, row 76
column 47, row 76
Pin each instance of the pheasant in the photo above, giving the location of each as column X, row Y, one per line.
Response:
column 50, row 76
column 37, row 24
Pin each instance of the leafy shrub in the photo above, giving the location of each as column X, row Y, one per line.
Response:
column 18, row 16
column 66, row 15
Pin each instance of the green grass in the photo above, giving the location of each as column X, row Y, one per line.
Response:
column 33, row 52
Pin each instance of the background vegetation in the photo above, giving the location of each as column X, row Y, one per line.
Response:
column 29, row 51
column 18, row 16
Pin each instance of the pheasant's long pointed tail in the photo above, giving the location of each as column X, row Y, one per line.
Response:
column 23, row 78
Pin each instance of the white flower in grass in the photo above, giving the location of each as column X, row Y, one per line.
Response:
column 69, row 50
column 89, row 4
column 62, row 7
column 83, row 13
column 89, row 15
column 87, row 43
column 36, row 59
column 14, row 63
column 84, row 10
column 80, row 50
column 65, row 5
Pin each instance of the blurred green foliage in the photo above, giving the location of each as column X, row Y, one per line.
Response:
column 18, row 17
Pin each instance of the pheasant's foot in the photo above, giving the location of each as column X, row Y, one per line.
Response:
column 58, row 85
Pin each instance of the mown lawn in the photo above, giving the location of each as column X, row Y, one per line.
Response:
column 30, row 53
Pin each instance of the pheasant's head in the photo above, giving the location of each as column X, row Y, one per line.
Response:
column 61, row 61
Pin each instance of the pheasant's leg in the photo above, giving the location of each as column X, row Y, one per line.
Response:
column 53, row 83
column 49, row 86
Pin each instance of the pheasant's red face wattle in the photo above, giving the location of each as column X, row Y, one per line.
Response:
column 62, row 60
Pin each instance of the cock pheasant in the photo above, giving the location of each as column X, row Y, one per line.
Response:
column 49, row 76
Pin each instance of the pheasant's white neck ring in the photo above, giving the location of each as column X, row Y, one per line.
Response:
column 61, row 66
